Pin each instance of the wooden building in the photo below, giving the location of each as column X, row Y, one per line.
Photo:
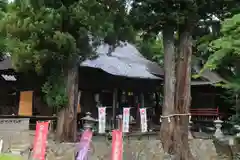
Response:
column 204, row 90
column 19, row 92
column 116, row 79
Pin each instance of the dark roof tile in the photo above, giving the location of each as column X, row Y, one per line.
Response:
column 125, row 60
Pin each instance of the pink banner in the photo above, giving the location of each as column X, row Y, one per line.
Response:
column 117, row 145
column 40, row 141
column 84, row 145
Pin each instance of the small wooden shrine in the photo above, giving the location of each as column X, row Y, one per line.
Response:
column 206, row 96
column 116, row 80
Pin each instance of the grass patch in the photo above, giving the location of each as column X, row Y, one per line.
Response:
column 10, row 157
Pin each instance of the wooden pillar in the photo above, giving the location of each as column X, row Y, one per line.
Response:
column 79, row 105
column 142, row 100
column 114, row 106
column 140, row 106
column 158, row 107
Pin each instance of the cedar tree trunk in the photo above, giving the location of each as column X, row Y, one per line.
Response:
column 183, row 94
column 177, row 94
column 67, row 117
column 167, row 128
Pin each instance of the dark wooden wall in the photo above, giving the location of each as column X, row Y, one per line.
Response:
column 96, row 79
column 209, row 96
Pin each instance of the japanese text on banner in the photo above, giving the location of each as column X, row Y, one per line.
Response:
column 84, row 145
column 117, row 145
column 40, row 140
column 101, row 119
column 126, row 116
column 143, row 114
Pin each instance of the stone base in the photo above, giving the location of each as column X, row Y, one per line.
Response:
column 203, row 149
column 152, row 150
column 143, row 149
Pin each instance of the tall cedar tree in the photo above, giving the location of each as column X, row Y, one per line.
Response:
column 176, row 20
column 51, row 37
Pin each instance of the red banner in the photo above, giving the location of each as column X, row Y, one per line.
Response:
column 40, row 141
column 117, row 145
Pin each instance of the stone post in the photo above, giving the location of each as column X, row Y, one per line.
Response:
column 1, row 145
column 238, row 129
column 218, row 133
column 189, row 129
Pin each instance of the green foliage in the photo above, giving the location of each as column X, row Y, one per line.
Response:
column 149, row 16
column 3, row 6
column 225, row 50
column 54, row 90
column 225, row 58
column 47, row 35
column 152, row 49
column 235, row 119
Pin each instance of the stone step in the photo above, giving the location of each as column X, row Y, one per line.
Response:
column 19, row 147
column 16, row 152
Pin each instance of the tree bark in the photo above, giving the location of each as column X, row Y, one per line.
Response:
column 60, row 122
column 183, row 94
column 177, row 93
column 67, row 120
column 167, row 128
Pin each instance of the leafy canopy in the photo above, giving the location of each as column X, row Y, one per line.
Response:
column 151, row 49
column 3, row 6
column 225, row 52
column 43, row 31
column 149, row 16
column 48, row 36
